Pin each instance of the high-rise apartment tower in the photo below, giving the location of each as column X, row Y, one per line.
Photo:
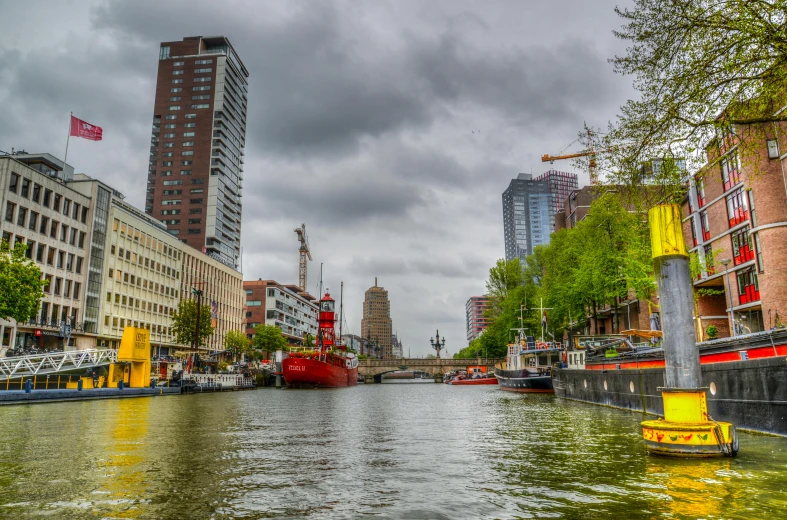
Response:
column 528, row 215
column 376, row 322
column 195, row 173
column 561, row 184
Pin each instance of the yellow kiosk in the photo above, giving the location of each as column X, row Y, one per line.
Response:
column 133, row 363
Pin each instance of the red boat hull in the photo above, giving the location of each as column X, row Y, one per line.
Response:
column 482, row 381
column 314, row 373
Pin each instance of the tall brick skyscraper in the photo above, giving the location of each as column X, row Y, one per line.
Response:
column 376, row 321
column 195, row 173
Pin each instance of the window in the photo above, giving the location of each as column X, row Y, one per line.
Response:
column 14, row 183
column 195, row 221
column 166, row 163
column 47, row 197
column 66, row 207
column 189, row 125
column 194, row 231
column 50, row 256
column 191, row 116
column 195, row 201
column 202, row 79
column 177, row 72
column 73, row 238
column 40, row 253
column 188, row 152
column 30, row 249
column 742, row 247
column 176, row 89
column 169, row 145
column 205, row 105
column 79, row 265
column 172, row 192
column 172, row 222
column 56, row 205
column 177, row 81
column 166, row 173
column 171, row 116
column 170, row 212
column 70, row 262
column 195, row 211
column 693, row 232
column 197, row 181
column 163, row 52
column 174, row 232
column 188, row 143
column 36, row 192
column 203, row 71
column 253, row 303
column 44, row 225
column 705, row 225
column 172, row 183
column 730, row 171
column 174, row 107
column 75, row 214
column 77, row 288
column 758, row 249
column 174, row 98
column 169, row 136
column 81, row 243
column 61, row 259
column 201, row 88
column 186, row 163
column 25, row 188
column 84, row 215
column 188, row 134
column 748, row 286
column 203, row 62
column 185, row 172
column 200, row 97
column 168, row 154
column 58, row 285
column 9, row 211
column 170, row 202
column 737, row 210
column 63, row 233
column 196, row 190
column 21, row 216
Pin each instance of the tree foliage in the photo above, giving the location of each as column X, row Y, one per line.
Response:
column 269, row 338
column 237, row 342
column 601, row 261
column 704, row 69
column 21, row 287
column 184, row 323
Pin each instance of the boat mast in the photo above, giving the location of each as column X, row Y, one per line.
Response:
column 341, row 312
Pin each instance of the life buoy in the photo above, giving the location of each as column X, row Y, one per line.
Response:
column 541, row 345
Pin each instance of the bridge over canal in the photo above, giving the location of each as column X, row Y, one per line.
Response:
column 375, row 367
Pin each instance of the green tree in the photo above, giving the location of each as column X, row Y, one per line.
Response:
column 237, row 342
column 704, row 70
column 21, row 286
column 269, row 338
column 308, row 341
column 184, row 323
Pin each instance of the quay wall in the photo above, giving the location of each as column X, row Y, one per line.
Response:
column 751, row 394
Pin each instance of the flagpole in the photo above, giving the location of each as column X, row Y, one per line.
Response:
column 67, row 139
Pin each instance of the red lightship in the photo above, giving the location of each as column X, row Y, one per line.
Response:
column 330, row 366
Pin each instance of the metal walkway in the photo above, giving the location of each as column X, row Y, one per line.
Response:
column 48, row 363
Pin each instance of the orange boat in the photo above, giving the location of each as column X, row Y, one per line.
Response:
column 474, row 381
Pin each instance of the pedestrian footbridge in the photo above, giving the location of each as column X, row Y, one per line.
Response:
column 52, row 362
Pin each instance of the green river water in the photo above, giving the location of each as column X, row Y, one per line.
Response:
column 378, row 451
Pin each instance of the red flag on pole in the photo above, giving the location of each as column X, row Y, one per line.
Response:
column 85, row 130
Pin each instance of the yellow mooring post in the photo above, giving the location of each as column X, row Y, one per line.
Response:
column 686, row 430
column 133, row 358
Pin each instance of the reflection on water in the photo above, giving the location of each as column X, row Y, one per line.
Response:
column 388, row 451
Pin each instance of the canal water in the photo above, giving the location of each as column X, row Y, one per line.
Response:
column 378, row 451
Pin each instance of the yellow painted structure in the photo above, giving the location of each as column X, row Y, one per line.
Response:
column 686, row 430
column 666, row 231
column 133, row 366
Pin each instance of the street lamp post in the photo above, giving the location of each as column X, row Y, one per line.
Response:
column 437, row 344
column 730, row 316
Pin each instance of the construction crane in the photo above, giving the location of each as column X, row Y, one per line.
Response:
column 304, row 253
column 590, row 152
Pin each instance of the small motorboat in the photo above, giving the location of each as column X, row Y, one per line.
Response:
column 479, row 380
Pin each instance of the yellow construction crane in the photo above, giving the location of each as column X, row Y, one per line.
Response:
column 304, row 253
column 590, row 152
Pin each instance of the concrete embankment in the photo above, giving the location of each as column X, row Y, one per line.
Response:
column 51, row 396
column 751, row 394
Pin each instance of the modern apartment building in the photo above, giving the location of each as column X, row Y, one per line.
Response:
column 474, row 316
column 561, row 184
column 42, row 211
column 376, row 322
column 528, row 216
column 735, row 220
column 195, row 173
column 285, row 306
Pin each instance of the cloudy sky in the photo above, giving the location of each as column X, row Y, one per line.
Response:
column 390, row 127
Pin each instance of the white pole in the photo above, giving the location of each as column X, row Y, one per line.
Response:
column 65, row 158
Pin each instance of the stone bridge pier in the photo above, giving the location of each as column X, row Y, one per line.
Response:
column 372, row 369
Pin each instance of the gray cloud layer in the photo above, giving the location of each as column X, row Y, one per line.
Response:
column 390, row 128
